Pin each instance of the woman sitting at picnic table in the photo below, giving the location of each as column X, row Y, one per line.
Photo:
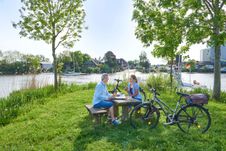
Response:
column 133, row 88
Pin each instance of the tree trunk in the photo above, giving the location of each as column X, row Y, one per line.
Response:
column 171, row 74
column 217, row 74
column 54, row 64
column 217, row 64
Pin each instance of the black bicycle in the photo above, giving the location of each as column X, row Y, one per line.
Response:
column 116, row 88
column 190, row 117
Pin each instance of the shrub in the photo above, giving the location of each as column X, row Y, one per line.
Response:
column 223, row 97
column 160, row 82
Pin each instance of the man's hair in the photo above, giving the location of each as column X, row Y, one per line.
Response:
column 103, row 76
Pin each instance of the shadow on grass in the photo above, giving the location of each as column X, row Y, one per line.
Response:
column 123, row 137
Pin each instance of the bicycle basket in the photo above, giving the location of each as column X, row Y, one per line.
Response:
column 197, row 99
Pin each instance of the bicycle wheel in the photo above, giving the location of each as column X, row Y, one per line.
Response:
column 144, row 116
column 193, row 119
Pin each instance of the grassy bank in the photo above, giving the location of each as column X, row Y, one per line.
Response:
column 62, row 123
column 10, row 107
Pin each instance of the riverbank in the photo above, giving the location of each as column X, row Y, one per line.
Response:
column 62, row 123
column 12, row 83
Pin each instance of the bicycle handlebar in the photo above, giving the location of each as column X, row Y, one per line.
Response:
column 153, row 90
column 118, row 80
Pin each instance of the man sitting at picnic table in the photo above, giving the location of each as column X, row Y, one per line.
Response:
column 103, row 99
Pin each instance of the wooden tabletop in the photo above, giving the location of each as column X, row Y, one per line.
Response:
column 124, row 101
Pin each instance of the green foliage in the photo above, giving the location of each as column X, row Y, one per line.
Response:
column 160, row 82
column 157, row 22
column 144, row 62
column 171, row 23
column 201, row 90
column 205, row 22
column 110, row 61
column 160, row 22
column 55, row 22
column 192, row 64
column 10, row 106
column 74, row 61
column 133, row 64
column 63, row 123
column 14, row 62
column 105, row 69
column 223, row 97
column 49, row 19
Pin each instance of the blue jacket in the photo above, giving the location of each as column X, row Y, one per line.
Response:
column 101, row 93
column 135, row 87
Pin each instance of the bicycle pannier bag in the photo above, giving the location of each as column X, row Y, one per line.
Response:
column 198, row 99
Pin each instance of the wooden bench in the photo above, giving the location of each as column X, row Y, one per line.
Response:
column 95, row 113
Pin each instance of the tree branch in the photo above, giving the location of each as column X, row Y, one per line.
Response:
column 50, row 12
column 62, row 39
column 208, row 3
column 59, row 43
column 59, row 32
column 211, row 13
column 222, row 4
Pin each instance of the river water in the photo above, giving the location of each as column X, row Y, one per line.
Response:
column 17, row 82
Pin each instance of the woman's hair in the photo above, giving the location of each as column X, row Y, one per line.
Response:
column 134, row 77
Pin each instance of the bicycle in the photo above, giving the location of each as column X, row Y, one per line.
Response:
column 116, row 88
column 189, row 117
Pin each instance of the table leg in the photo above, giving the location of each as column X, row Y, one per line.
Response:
column 124, row 113
column 116, row 110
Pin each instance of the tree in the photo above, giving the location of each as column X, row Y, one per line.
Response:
column 73, row 59
column 65, row 57
column 86, row 57
column 206, row 23
column 144, row 62
column 55, row 22
column 77, row 60
column 190, row 65
column 195, row 21
column 159, row 23
column 12, row 56
column 32, row 63
column 110, row 60
column 131, row 64
column 13, row 62
column 42, row 58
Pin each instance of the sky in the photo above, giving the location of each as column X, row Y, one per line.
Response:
column 110, row 28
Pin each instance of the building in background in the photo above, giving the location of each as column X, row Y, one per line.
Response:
column 207, row 55
column 46, row 66
column 123, row 65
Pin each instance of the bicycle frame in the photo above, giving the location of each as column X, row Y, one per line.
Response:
column 116, row 88
column 165, row 108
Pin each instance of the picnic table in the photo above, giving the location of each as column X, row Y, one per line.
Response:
column 124, row 102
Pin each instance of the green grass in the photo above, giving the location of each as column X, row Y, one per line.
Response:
column 63, row 123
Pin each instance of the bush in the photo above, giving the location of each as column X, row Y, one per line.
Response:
column 223, row 97
column 160, row 82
